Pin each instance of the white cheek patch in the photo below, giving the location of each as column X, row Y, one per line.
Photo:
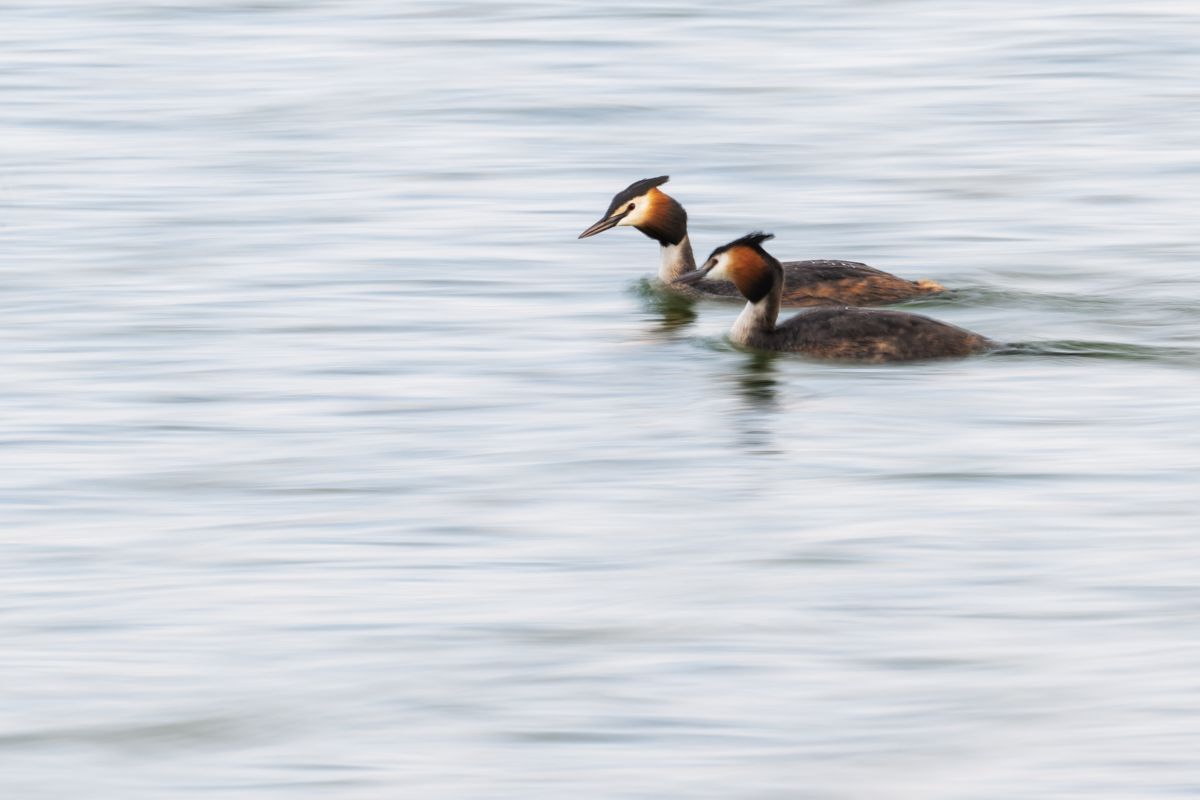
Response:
column 635, row 217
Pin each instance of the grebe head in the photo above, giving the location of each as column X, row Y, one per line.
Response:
column 753, row 270
column 644, row 207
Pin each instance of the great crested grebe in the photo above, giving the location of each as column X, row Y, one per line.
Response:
column 848, row 334
column 807, row 283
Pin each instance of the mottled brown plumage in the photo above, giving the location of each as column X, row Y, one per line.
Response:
column 807, row 283
column 848, row 282
column 841, row 333
column 873, row 335
column 826, row 283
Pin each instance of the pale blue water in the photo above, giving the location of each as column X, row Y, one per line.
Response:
column 334, row 466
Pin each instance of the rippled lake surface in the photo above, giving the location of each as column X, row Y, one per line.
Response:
column 334, row 466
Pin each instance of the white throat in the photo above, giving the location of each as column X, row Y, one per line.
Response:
column 756, row 319
column 677, row 260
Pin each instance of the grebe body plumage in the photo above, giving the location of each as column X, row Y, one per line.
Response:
column 839, row 333
column 819, row 282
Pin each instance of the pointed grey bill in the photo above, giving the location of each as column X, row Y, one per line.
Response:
column 603, row 225
column 695, row 276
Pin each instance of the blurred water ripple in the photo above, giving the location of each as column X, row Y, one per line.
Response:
column 334, row 466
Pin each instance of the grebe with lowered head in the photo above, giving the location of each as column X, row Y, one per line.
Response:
column 808, row 283
column 848, row 334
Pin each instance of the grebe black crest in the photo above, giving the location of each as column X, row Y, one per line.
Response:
column 842, row 333
column 643, row 205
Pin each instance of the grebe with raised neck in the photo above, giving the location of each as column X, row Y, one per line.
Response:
column 656, row 214
column 841, row 333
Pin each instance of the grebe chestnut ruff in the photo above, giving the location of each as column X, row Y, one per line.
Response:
column 848, row 334
column 808, row 283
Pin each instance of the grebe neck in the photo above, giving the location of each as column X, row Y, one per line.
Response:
column 677, row 260
column 758, row 319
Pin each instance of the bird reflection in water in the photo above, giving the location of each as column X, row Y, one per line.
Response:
column 758, row 387
column 755, row 381
column 671, row 310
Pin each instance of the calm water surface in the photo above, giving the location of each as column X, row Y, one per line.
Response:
column 335, row 467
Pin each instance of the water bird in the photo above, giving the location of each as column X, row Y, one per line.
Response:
column 807, row 283
column 843, row 333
